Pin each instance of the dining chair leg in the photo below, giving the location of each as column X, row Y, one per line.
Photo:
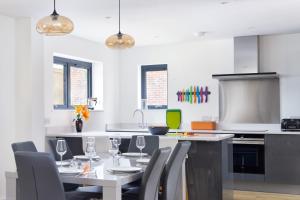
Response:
column 183, row 181
column 112, row 193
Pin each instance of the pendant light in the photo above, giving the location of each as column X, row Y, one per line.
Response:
column 55, row 24
column 120, row 40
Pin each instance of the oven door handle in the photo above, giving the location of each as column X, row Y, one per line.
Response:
column 253, row 142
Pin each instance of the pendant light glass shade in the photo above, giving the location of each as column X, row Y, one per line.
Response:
column 120, row 41
column 55, row 25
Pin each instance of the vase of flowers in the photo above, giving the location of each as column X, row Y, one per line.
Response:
column 81, row 112
column 78, row 124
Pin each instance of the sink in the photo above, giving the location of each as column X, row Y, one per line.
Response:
column 126, row 127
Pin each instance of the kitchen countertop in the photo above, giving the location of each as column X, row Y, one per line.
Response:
column 222, row 129
column 242, row 132
column 198, row 137
column 275, row 131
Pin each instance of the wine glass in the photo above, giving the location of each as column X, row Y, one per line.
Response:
column 90, row 139
column 61, row 149
column 118, row 142
column 90, row 151
column 140, row 143
column 113, row 148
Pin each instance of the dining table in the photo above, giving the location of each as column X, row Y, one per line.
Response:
column 101, row 174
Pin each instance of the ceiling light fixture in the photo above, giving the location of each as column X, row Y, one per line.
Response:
column 55, row 24
column 224, row 2
column 120, row 40
column 200, row 34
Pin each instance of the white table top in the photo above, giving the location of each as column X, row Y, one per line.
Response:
column 102, row 177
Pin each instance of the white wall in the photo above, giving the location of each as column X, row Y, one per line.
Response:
column 281, row 53
column 37, row 85
column 29, row 109
column 7, row 97
column 23, row 77
column 81, row 48
column 189, row 64
column 22, row 89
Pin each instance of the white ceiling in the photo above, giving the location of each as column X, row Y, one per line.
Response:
column 153, row 22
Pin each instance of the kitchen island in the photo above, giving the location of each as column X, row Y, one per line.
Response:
column 208, row 166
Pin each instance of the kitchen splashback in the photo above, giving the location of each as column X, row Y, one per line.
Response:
column 254, row 101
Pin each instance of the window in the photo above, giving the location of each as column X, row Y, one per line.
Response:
column 72, row 82
column 154, row 79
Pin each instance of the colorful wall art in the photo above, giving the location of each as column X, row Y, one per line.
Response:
column 194, row 95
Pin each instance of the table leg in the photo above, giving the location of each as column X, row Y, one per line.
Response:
column 112, row 193
column 12, row 188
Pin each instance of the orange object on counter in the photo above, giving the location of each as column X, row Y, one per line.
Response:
column 203, row 125
column 188, row 134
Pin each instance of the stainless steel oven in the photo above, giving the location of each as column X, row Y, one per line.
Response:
column 249, row 153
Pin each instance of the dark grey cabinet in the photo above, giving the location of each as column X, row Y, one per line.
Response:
column 209, row 171
column 282, row 163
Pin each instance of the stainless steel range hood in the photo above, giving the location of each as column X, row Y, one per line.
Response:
column 246, row 61
column 248, row 96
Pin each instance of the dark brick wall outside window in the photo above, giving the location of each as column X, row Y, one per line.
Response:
column 155, row 86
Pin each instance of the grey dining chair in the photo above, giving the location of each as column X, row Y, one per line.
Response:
column 152, row 144
column 29, row 146
column 69, row 155
column 170, row 177
column 68, row 187
column 39, row 179
column 24, row 146
column 151, row 177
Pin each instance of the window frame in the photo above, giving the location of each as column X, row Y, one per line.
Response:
column 67, row 64
column 144, row 70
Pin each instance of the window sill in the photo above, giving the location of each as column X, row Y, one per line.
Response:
column 102, row 110
column 72, row 110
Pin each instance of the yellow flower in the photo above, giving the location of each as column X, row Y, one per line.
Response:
column 78, row 109
column 86, row 114
column 85, row 108
column 82, row 111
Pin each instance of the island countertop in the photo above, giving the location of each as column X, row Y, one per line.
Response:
column 196, row 137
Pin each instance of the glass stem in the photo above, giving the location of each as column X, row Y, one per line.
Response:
column 90, row 164
column 61, row 160
column 141, row 153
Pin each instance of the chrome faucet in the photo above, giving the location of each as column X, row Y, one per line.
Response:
column 141, row 125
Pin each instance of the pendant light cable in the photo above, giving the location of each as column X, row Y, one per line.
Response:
column 119, row 16
column 54, row 11
column 120, row 40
